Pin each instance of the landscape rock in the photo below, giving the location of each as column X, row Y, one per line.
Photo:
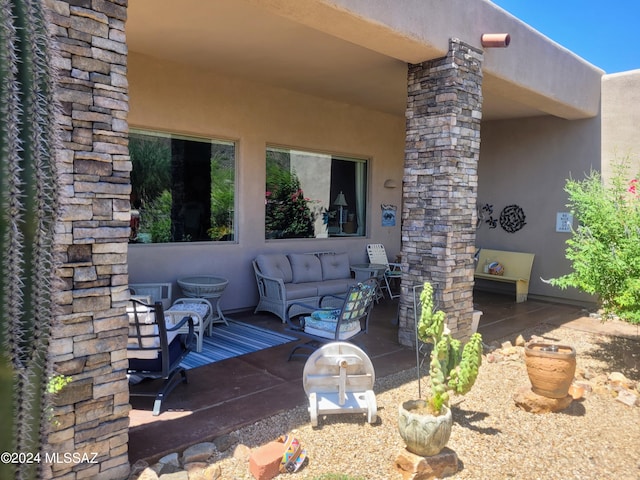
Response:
column 627, row 397
column 529, row 401
column 617, row 378
column 200, row 452
column 415, row 467
column 171, row 458
column 225, row 442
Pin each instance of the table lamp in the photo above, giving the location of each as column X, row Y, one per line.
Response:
column 341, row 202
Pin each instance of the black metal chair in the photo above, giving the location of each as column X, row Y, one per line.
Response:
column 344, row 322
column 155, row 349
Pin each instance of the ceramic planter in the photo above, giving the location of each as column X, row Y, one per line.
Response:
column 424, row 434
column 550, row 368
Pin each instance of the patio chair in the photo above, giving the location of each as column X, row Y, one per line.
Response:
column 378, row 254
column 158, row 292
column 156, row 348
column 327, row 325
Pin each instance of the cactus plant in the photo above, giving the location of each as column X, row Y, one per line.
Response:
column 452, row 368
column 28, row 213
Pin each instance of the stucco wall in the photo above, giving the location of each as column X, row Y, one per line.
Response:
column 620, row 120
column 526, row 162
column 177, row 99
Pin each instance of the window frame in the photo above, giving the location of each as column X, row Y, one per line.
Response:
column 212, row 140
column 360, row 208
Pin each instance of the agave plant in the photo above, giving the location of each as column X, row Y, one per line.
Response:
column 28, row 196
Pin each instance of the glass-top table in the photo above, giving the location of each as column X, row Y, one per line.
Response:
column 209, row 287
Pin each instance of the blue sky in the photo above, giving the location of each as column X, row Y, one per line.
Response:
column 605, row 33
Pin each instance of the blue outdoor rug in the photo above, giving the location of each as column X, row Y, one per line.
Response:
column 232, row 341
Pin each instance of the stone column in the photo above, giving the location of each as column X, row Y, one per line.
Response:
column 90, row 420
column 439, row 214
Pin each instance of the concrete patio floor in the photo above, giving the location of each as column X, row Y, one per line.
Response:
column 227, row 395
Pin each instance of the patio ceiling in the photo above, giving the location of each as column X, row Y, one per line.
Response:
column 238, row 38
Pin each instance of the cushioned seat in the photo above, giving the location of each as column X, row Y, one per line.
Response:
column 301, row 278
column 336, row 324
column 155, row 349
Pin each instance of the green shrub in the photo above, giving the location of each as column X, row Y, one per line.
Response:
column 155, row 218
column 604, row 249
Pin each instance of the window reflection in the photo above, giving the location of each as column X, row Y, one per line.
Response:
column 311, row 194
column 182, row 188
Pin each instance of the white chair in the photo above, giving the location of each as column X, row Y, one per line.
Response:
column 159, row 292
column 378, row 254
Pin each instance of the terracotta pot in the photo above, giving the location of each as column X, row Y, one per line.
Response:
column 550, row 368
column 424, row 434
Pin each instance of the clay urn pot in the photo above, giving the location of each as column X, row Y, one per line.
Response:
column 551, row 368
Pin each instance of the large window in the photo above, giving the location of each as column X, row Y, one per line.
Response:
column 314, row 195
column 182, row 188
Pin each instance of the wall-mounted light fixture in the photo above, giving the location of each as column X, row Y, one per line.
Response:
column 495, row 40
column 390, row 183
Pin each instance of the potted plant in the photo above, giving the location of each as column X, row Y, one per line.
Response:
column 425, row 425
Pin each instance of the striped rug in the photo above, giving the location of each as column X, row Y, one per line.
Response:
column 234, row 340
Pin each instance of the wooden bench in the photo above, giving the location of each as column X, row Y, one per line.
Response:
column 517, row 269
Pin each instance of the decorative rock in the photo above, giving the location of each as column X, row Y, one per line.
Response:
column 242, row 452
column 627, row 397
column 264, row 463
column 224, row 442
column 171, row 458
column 415, row 467
column 617, row 378
column 199, row 452
column 529, row 401
column 178, row 475
column 146, row 474
column 168, row 469
column 576, row 391
column 138, row 468
column 203, row 471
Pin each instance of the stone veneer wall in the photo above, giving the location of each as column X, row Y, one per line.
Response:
column 89, row 339
column 440, row 185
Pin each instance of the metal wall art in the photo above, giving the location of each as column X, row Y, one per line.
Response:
column 512, row 218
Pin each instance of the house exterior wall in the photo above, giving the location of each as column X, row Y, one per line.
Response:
column 526, row 162
column 621, row 120
column 179, row 99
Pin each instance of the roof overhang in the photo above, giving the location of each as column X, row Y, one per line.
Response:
column 356, row 51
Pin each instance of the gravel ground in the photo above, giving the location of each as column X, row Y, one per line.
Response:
column 596, row 437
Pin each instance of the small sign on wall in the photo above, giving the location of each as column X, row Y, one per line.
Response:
column 564, row 222
column 388, row 215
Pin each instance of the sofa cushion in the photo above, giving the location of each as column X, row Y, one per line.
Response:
column 296, row 291
column 305, row 267
column 335, row 265
column 335, row 287
column 275, row 265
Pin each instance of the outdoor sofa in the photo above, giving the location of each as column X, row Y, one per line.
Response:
column 301, row 278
